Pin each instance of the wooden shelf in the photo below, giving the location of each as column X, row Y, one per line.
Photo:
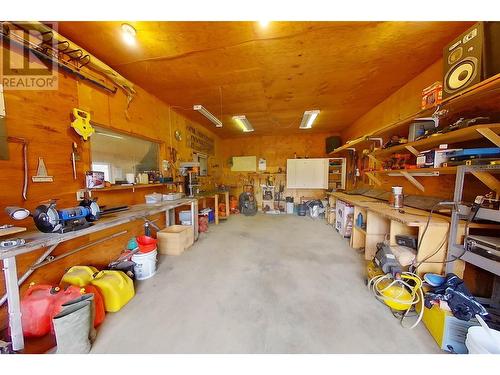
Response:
column 436, row 171
column 131, row 187
column 454, row 104
column 456, row 136
column 359, row 229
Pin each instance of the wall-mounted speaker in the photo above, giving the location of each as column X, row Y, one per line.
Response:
column 332, row 143
column 471, row 57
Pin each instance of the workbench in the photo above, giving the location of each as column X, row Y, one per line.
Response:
column 36, row 240
column 383, row 221
column 202, row 199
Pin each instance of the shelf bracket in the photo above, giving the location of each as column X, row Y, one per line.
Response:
column 490, row 135
column 373, row 178
column 488, row 179
column 413, row 150
column 413, row 180
column 375, row 160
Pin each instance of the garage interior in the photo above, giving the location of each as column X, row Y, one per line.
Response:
column 250, row 187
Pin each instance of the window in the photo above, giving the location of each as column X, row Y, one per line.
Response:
column 203, row 160
column 117, row 154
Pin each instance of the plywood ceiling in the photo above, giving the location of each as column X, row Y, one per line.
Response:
column 271, row 75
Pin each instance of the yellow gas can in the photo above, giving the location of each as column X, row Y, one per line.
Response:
column 79, row 275
column 116, row 288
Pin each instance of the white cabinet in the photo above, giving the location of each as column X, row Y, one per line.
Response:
column 307, row 174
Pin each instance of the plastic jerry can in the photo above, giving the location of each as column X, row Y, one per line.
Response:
column 116, row 288
column 79, row 275
column 36, row 307
column 100, row 311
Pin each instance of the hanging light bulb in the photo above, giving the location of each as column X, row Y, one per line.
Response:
column 128, row 33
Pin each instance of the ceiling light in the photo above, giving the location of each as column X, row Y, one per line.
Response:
column 308, row 119
column 243, row 123
column 263, row 23
column 208, row 115
column 128, row 33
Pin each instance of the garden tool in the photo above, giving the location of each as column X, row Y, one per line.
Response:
column 72, row 328
column 79, row 300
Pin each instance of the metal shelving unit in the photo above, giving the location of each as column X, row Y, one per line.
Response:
column 485, row 174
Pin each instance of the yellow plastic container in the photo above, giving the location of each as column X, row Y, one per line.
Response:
column 116, row 288
column 79, row 275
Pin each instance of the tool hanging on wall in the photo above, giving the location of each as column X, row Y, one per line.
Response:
column 4, row 148
column 41, row 173
column 75, row 156
column 25, row 163
column 81, row 123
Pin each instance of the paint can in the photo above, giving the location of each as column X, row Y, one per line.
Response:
column 145, row 265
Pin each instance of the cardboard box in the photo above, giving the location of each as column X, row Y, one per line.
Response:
column 432, row 95
column 173, row 239
column 433, row 158
column 189, row 236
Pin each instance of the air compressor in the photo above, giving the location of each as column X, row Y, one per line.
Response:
column 398, row 289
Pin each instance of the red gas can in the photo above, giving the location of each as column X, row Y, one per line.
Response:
column 36, row 307
column 100, row 312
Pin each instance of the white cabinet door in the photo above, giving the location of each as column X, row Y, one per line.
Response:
column 307, row 173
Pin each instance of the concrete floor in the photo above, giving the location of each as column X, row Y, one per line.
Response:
column 263, row 284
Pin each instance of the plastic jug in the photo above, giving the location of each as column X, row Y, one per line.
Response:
column 36, row 307
column 100, row 311
column 116, row 288
column 79, row 275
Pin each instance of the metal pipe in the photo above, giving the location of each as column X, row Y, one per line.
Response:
column 30, row 270
column 83, row 247
column 94, row 64
column 40, row 261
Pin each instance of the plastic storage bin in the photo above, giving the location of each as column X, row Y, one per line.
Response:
column 116, row 288
column 172, row 240
column 79, row 275
column 185, row 217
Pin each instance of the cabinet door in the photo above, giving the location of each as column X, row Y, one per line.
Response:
column 307, row 173
column 291, row 173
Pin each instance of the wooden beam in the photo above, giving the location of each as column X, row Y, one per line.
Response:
column 413, row 150
column 373, row 178
column 490, row 134
column 413, row 180
column 488, row 179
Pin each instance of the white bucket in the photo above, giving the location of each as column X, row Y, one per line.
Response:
column 478, row 341
column 289, row 208
column 145, row 265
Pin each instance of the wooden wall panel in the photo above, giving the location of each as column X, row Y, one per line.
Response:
column 43, row 119
column 276, row 150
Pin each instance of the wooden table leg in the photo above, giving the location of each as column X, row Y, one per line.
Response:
column 216, row 203
column 226, row 194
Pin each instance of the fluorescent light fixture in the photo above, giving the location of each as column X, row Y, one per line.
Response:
column 208, row 115
column 128, row 33
column 243, row 123
column 308, row 119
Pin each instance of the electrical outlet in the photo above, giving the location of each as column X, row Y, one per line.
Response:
column 80, row 195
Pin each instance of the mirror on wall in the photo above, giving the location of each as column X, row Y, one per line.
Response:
column 117, row 154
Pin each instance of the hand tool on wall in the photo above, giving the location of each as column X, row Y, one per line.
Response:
column 74, row 158
column 25, row 163
column 81, row 123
